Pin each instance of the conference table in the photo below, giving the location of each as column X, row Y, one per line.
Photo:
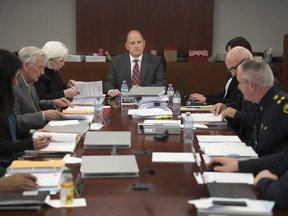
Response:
column 171, row 186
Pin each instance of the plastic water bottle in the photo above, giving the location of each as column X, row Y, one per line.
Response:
column 67, row 187
column 170, row 94
column 98, row 110
column 124, row 87
column 188, row 135
column 176, row 103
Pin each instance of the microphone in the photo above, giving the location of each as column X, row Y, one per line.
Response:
column 162, row 137
column 143, row 186
column 108, row 56
column 141, row 150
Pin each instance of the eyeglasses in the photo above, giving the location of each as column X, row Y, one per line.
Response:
column 234, row 68
column 39, row 67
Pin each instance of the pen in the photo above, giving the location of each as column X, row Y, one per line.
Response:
column 163, row 117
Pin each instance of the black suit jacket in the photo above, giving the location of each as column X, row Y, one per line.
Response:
column 151, row 72
column 231, row 95
column 276, row 190
column 50, row 85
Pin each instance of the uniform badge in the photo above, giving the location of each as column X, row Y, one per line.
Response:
column 285, row 108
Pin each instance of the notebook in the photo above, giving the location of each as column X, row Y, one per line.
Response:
column 107, row 139
column 109, row 166
column 227, row 190
column 27, row 200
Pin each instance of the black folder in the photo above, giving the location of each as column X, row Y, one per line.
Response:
column 28, row 200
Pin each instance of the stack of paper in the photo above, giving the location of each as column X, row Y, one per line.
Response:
column 228, row 146
column 75, row 58
column 151, row 102
column 207, row 118
column 48, row 173
column 88, row 92
column 150, row 113
column 60, row 142
column 237, row 152
column 95, row 58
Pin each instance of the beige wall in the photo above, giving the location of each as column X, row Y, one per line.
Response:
column 33, row 22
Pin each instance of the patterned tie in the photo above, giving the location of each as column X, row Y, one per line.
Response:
column 135, row 74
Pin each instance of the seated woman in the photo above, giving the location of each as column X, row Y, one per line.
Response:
column 9, row 145
column 50, row 85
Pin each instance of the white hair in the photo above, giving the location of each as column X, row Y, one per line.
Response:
column 54, row 50
column 30, row 54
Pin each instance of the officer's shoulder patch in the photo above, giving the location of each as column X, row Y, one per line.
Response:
column 279, row 98
column 285, row 108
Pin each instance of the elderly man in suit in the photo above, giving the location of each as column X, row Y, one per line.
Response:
column 136, row 67
column 30, row 112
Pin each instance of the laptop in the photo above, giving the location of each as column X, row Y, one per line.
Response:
column 109, row 166
column 140, row 91
column 225, row 190
column 107, row 139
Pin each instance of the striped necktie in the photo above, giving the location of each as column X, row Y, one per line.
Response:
column 135, row 74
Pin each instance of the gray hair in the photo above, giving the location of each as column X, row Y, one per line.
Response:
column 54, row 50
column 257, row 71
column 30, row 54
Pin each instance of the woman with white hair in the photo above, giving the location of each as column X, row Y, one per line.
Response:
column 50, row 84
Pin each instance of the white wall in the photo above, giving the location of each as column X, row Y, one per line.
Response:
column 33, row 22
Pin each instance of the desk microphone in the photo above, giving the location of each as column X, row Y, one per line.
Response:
column 108, row 56
column 143, row 186
column 141, row 150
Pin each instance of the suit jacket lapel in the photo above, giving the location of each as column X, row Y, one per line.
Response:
column 127, row 70
column 143, row 69
column 28, row 94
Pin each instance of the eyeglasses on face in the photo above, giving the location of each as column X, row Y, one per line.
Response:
column 39, row 67
column 234, row 68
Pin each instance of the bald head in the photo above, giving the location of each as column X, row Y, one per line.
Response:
column 235, row 56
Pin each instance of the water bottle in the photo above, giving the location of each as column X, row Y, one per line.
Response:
column 170, row 94
column 176, row 103
column 124, row 87
column 98, row 110
column 66, row 187
column 188, row 129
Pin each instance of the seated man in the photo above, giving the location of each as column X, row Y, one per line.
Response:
column 230, row 91
column 271, row 174
column 30, row 112
column 136, row 67
column 270, row 131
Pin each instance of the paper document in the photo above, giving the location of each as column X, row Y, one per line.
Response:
column 225, row 177
column 152, row 112
column 230, row 151
column 88, row 92
column 60, row 142
column 205, row 117
column 62, row 123
column 79, row 110
column 218, row 138
column 178, row 157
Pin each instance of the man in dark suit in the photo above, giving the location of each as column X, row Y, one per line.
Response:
column 30, row 112
column 271, row 176
column 122, row 67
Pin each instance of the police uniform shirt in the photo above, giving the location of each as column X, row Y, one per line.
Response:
column 271, row 123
